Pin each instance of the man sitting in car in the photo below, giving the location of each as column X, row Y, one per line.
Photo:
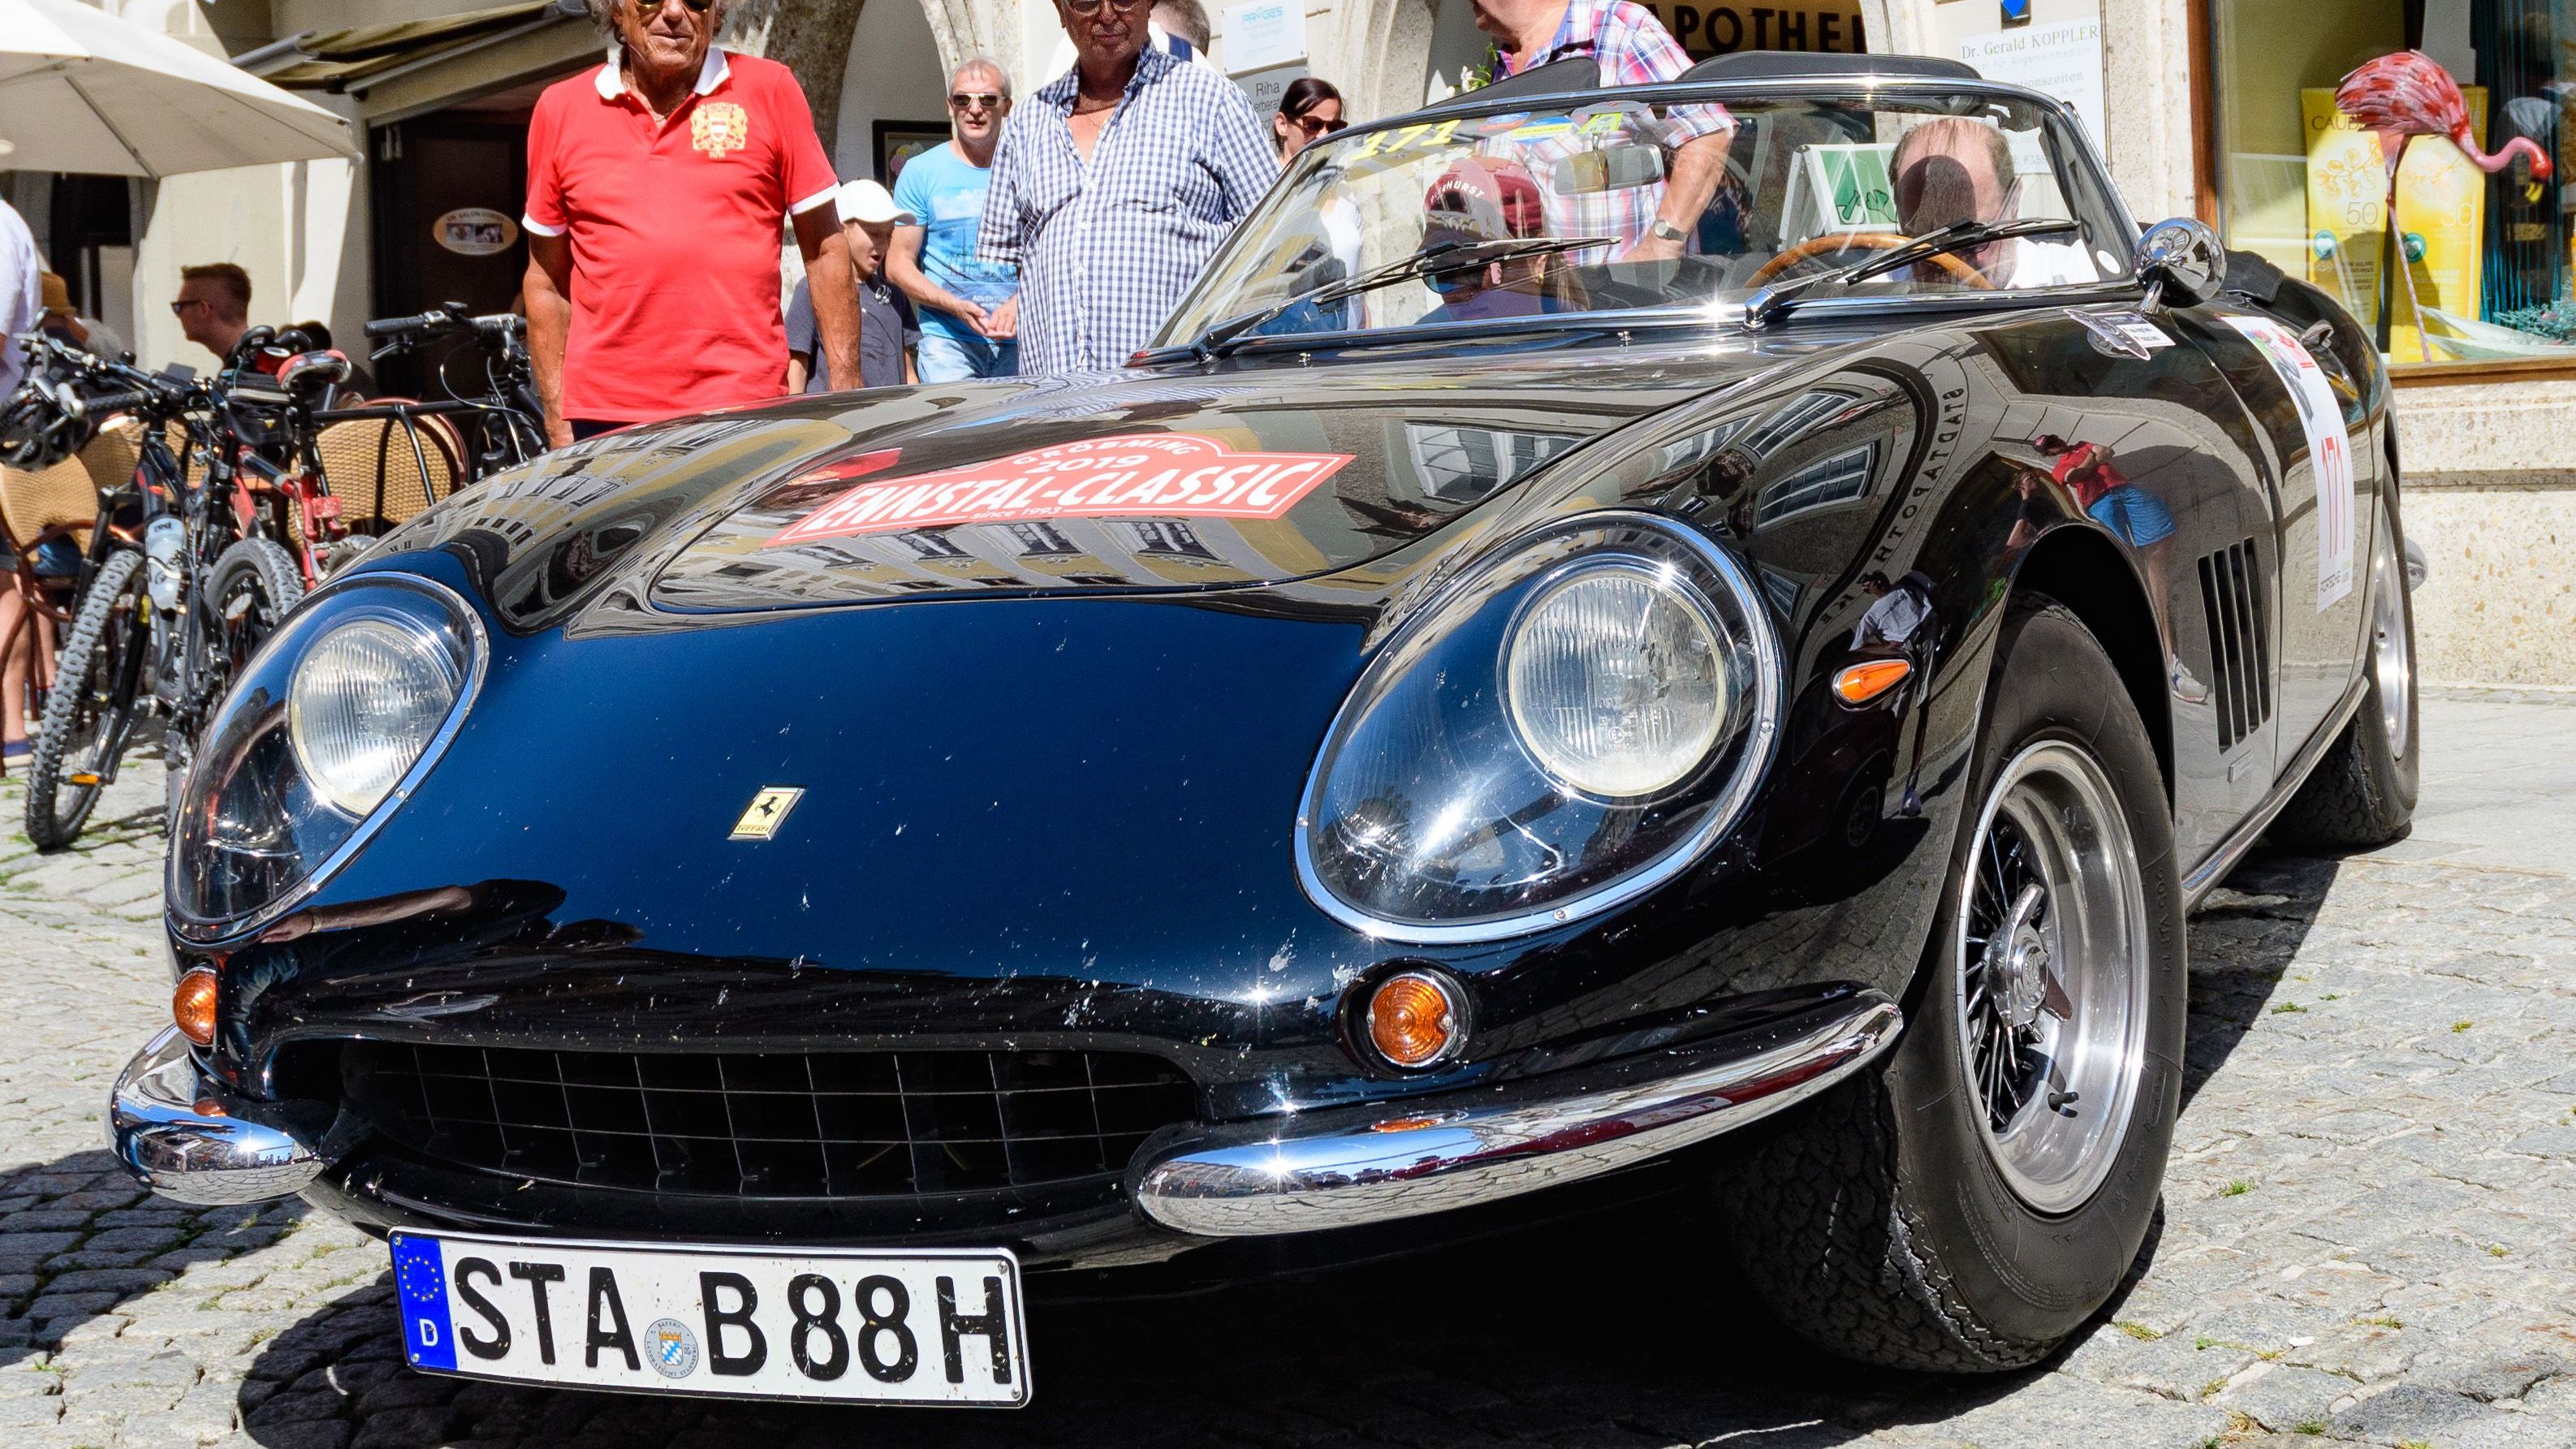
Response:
column 1954, row 169
column 1480, row 200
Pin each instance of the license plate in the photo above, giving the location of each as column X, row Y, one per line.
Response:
column 923, row 1327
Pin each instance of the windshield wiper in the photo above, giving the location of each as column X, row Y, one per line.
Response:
column 1772, row 300
column 1221, row 337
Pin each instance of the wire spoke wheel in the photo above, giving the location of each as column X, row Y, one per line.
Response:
column 2052, row 975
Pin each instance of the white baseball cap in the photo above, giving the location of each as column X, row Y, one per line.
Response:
column 867, row 201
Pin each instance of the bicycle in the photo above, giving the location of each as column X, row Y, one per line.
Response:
column 180, row 585
column 503, row 425
column 347, row 474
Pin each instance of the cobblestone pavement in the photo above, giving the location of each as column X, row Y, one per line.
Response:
column 2365, row 1236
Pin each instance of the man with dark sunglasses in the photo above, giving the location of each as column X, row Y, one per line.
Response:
column 656, row 185
column 1113, row 188
column 969, row 307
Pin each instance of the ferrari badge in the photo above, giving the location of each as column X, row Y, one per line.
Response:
column 767, row 811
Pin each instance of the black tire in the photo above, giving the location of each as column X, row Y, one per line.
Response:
column 250, row 590
column 243, row 601
column 2362, row 793
column 89, row 713
column 1876, row 1221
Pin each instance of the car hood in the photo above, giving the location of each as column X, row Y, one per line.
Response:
column 1133, row 482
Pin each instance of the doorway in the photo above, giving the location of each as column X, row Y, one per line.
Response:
column 449, row 188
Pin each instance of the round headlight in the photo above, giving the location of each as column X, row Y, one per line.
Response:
column 364, row 704
column 344, row 707
column 1615, row 681
column 1570, row 721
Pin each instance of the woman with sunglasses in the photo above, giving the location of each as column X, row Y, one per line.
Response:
column 1309, row 110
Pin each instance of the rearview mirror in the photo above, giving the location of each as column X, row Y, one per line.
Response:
column 1612, row 168
column 2182, row 262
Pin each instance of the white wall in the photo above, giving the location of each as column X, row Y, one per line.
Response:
column 893, row 75
column 1456, row 45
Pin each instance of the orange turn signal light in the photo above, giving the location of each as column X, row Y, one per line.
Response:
column 1414, row 1019
column 192, row 1006
column 1861, row 683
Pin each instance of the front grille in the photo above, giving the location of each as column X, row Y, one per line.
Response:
column 804, row 1124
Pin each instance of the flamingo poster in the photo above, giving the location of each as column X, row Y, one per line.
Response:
column 2329, row 449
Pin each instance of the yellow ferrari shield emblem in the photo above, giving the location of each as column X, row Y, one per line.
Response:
column 767, row 811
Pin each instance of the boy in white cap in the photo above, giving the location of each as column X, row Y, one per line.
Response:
column 888, row 330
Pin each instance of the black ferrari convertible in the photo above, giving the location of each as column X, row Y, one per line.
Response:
column 1513, row 690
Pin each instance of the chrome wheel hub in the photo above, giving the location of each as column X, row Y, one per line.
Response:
column 2017, row 964
column 2052, row 980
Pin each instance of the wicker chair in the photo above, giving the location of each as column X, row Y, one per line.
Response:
column 57, row 502
column 384, row 473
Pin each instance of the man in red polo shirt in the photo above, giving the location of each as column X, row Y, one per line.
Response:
column 655, row 187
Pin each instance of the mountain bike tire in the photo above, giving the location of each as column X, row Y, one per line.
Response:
column 89, row 714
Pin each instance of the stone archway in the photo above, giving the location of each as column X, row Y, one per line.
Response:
column 1376, row 53
column 812, row 38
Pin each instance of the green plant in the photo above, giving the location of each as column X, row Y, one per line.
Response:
column 2236, row 1188
column 2462, row 1025
column 2138, row 1331
column 2286, row 1007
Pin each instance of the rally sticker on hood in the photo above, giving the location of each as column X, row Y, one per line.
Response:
column 1135, row 475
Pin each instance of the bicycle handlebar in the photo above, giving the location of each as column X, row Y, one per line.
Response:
column 115, row 402
column 441, row 319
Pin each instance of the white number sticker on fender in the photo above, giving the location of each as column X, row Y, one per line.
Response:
column 2329, row 449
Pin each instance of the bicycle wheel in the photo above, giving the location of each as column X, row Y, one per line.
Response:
column 247, row 594
column 89, row 715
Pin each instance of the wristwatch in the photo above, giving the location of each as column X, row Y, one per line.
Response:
column 1664, row 230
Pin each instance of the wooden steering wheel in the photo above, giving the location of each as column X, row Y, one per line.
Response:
column 1876, row 241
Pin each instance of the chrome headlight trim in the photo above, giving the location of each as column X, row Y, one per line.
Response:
column 219, row 933
column 1768, row 703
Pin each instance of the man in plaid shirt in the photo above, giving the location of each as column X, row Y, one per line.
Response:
column 1654, row 222
column 1113, row 187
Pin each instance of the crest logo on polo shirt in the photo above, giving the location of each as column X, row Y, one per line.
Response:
column 717, row 127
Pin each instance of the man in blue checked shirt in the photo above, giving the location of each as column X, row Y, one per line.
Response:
column 1113, row 187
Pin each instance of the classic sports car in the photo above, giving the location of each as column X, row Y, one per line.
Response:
column 1512, row 689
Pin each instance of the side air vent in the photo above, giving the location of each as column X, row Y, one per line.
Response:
column 2231, row 590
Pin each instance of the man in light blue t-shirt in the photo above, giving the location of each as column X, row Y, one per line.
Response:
column 969, row 308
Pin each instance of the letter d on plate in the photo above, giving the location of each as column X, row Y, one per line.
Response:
column 420, row 1271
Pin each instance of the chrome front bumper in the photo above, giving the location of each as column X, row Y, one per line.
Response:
column 182, row 1135
column 1346, row 1167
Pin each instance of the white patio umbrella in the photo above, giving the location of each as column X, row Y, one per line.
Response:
column 82, row 90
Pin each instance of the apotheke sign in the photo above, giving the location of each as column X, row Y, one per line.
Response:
column 1832, row 27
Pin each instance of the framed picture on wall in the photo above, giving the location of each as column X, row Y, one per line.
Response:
column 900, row 141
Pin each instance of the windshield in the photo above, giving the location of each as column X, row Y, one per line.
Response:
column 1533, row 213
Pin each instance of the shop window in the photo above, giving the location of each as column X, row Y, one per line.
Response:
column 2486, row 273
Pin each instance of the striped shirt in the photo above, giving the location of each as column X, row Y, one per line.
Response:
column 1105, row 249
column 1633, row 49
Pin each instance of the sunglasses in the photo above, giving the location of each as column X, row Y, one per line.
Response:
column 654, row 7
column 180, row 307
column 1314, row 126
column 1092, row 7
column 968, row 100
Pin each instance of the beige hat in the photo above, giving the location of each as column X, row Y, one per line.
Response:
column 868, row 202
column 58, row 295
